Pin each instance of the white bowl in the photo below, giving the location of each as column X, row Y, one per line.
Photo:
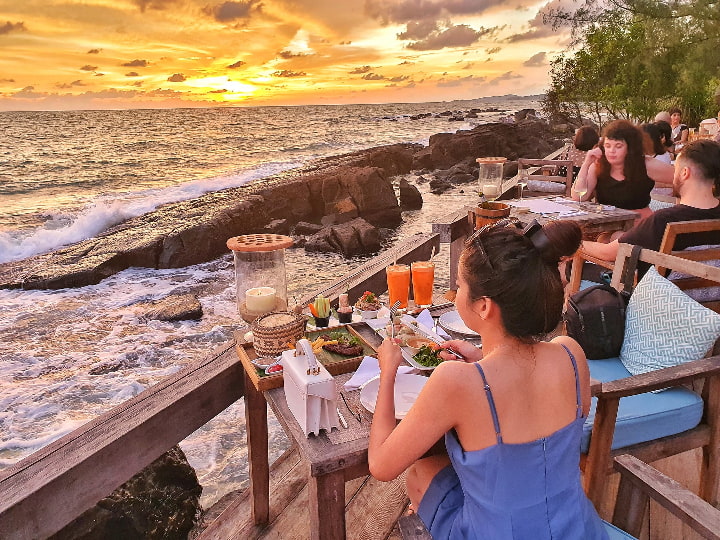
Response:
column 367, row 314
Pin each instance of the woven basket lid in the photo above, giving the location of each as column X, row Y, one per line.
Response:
column 492, row 159
column 259, row 242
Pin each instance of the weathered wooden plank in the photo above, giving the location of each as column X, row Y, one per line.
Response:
column 374, row 510
column 600, row 443
column 412, row 528
column 44, row 492
column 288, row 477
column 661, row 378
column 326, row 496
column 371, row 274
column 257, row 443
column 684, row 504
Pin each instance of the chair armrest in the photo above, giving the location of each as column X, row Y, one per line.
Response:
column 669, row 494
column 661, row 378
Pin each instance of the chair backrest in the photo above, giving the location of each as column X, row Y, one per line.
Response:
column 548, row 170
column 708, row 253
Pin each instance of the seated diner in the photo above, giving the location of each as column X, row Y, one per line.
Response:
column 511, row 413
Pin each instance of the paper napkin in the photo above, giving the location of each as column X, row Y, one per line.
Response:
column 368, row 369
column 426, row 320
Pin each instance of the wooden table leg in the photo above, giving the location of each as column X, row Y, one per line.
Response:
column 327, row 506
column 257, row 442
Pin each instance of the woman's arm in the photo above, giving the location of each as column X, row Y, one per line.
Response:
column 588, row 174
column 661, row 173
column 392, row 449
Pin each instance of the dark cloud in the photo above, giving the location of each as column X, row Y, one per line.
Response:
column 12, row 27
column 399, row 78
column 536, row 60
column 345, row 43
column 288, row 73
column 70, row 85
column 373, row 77
column 406, row 63
column 287, row 55
column 132, row 74
column 508, row 75
column 460, row 35
column 493, row 50
column 223, row 91
column 459, row 82
column 537, row 27
column 419, row 29
column 136, row 63
column 231, row 11
column 29, row 93
column 360, row 70
column 236, row 64
column 403, row 11
column 177, row 77
column 94, row 51
column 99, row 74
column 137, row 83
column 88, row 67
column 7, row 80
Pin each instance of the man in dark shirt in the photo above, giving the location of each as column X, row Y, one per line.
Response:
column 697, row 171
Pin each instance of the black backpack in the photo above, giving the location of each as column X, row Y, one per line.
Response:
column 595, row 317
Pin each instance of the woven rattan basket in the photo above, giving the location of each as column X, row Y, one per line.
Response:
column 277, row 331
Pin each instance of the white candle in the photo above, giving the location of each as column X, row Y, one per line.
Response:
column 260, row 299
column 490, row 190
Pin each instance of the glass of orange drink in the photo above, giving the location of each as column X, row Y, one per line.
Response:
column 398, row 280
column 423, row 278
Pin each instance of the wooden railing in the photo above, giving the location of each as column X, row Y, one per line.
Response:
column 47, row 490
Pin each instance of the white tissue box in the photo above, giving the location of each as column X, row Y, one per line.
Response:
column 309, row 389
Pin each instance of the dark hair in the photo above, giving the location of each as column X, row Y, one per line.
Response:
column 524, row 281
column 586, row 138
column 665, row 131
column 654, row 139
column 674, row 110
column 634, row 166
column 705, row 155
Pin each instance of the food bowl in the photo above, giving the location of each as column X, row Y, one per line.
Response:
column 414, row 343
column 367, row 314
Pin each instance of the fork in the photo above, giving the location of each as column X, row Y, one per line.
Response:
column 393, row 312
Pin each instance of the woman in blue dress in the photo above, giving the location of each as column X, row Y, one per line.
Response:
column 511, row 413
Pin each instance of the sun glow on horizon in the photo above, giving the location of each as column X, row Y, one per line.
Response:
column 126, row 54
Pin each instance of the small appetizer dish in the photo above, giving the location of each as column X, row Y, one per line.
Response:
column 368, row 305
column 320, row 310
column 415, row 343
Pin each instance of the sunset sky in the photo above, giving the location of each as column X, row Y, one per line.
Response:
column 117, row 54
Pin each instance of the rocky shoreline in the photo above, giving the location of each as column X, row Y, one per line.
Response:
column 333, row 204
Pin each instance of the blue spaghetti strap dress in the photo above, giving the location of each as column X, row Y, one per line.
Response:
column 521, row 491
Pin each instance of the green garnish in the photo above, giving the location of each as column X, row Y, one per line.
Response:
column 343, row 338
column 428, row 357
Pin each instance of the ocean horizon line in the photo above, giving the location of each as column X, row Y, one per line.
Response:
column 505, row 97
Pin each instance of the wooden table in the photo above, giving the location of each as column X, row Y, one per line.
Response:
column 456, row 227
column 331, row 465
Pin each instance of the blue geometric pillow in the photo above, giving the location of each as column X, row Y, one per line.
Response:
column 664, row 327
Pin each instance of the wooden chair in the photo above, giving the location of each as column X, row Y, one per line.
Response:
column 640, row 483
column 597, row 463
column 667, row 245
column 547, row 170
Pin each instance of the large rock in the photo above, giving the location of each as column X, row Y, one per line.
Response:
column 160, row 502
column 532, row 138
column 356, row 237
column 410, row 196
column 174, row 307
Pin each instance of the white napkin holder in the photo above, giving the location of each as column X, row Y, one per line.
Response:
column 309, row 389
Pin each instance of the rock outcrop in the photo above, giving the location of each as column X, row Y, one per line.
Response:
column 356, row 237
column 174, row 307
column 331, row 191
column 162, row 501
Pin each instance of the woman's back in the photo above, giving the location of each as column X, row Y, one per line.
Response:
column 528, row 489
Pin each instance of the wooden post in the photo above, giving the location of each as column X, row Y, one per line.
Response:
column 710, row 471
column 598, row 456
column 327, row 506
column 257, row 443
column 631, row 507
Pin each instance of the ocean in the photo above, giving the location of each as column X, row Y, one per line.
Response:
column 69, row 355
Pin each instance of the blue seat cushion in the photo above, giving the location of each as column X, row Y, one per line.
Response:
column 616, row 534
column 647, row 416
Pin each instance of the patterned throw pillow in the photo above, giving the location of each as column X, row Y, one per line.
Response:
column 665, row 327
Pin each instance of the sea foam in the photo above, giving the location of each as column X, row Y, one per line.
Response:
column 111, row 210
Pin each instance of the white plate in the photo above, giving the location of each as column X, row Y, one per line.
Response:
column 407, row 389
column 452, row 322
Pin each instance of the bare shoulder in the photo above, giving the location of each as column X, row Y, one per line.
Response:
column 572, row 345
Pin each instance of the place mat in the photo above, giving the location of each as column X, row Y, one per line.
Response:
column 358, row 418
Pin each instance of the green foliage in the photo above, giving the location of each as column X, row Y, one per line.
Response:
column 636, row 59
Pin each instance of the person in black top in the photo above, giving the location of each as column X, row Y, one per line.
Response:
column 697, row 173
column 618, row 173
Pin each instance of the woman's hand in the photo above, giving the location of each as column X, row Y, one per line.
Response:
column 389, row 355
column 468, row 350
column 593, row 156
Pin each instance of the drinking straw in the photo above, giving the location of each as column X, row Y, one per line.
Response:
column 432, row 253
